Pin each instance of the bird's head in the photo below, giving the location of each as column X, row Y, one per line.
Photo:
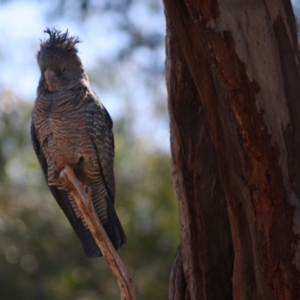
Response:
column 61, row 68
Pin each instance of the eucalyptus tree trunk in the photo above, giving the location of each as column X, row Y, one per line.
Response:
column 232, row 74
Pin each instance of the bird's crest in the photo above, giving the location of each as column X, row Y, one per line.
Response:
column 60, row 40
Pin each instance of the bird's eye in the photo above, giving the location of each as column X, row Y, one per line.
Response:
column 60, row 71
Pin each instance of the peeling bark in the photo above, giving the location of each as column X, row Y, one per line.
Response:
column 232, row 73
column 207, row 259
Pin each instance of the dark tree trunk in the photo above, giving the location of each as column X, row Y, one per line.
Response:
column 232, row 73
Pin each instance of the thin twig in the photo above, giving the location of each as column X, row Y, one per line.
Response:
column 83, row 199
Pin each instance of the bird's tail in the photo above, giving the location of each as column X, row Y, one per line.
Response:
column 113, row 229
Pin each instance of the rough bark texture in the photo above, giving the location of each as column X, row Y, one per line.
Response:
column 232, row 73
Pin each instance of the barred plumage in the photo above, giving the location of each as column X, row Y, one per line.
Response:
column 70, row 126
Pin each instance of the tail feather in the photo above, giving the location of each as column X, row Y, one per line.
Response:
column 112, row 226
column 113, row 229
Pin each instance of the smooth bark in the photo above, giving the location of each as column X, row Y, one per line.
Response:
column 83, row 198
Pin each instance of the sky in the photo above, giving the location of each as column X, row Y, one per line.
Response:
column 21, row 29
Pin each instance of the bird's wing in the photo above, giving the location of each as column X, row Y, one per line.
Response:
column 38, row 151
column 99, row 126
column 60, row 196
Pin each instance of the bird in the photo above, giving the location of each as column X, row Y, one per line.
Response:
column 71, row 127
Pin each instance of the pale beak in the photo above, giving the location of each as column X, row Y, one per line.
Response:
column 49, row 75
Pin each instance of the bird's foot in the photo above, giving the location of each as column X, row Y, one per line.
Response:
column 73, row 185
column 88, row 191
column 76, row 188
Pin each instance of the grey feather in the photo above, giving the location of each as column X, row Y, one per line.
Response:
column 70, row 126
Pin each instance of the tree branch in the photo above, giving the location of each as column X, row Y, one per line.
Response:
column 83, row 199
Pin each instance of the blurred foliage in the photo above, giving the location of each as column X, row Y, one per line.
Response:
column 124, row 16
column 40, row 256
